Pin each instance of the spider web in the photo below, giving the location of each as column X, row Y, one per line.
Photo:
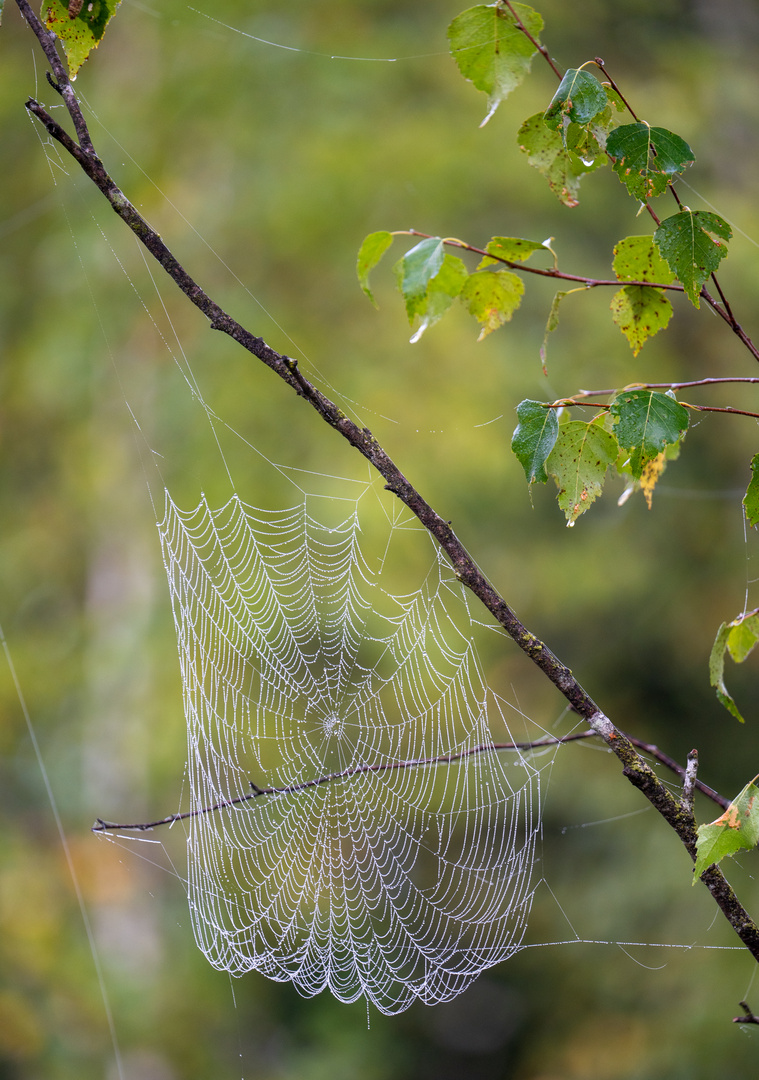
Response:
column 395, row 858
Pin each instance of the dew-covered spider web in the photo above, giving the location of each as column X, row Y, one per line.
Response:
column 375, row 843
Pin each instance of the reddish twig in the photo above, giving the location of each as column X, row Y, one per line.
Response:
column 541, row 48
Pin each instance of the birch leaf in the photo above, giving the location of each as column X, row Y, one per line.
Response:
column 81, row 33
column 751, row 498
column 637, row 258
column 580, row 98
column 534, row 438
column 693, row 243
column 646, row 421
column 736, row 829
column 546, row 152
column 492, row 296
column 578, row 463
column 738, row 638
column 640, row 312
column 490, row 51
column 371, row 251
column 647, row 159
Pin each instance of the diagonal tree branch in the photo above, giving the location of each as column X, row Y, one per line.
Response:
column 635, row 768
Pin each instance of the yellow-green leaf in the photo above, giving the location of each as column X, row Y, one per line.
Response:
column 578, row 463
column 81, row 33
column 738, row 638
column 490, row 49
column 546, row 152
column 371, row 251
column 736, row 829
column 640, row 312
column 512, row 249
column 492, row 297
column 751, row 498
column 637, row 258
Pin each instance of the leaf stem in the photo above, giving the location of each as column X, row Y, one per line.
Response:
column 329, row 778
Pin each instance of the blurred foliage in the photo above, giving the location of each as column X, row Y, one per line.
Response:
column 264, row 167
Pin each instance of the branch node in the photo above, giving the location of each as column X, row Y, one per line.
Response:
column 749, row 1017
column 689, row 782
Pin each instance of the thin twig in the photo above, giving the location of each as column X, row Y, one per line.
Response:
column 748, row 1017
column 589, row 282
column 541, row 48
column 602, row 67
column 569, row 403
column 719, row 408
column 670, row 385
column 418, row 763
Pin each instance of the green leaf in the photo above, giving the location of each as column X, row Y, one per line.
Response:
column 492, row 296
column 587, row 142
column 534, row 438
column 736, row 829
column 743, row 636
column 442, row 290
column 738, row 638
column 647, row 158
column 512, row 249
column 645, row 422
column 81, row 34
column 371, row 251
column 637, row 258
column 578, row 462
column 693, row 242
column 491, row 51
column 640, row 312
column 546, row 152
column 751, row 498
column 416, row 269
column 615, row 99
column 553, row 321
column 580, row 98
column 717, row 671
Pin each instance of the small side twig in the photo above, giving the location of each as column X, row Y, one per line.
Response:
column 689, row 782
column 748, row 1017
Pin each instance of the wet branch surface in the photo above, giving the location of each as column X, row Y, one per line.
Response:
column 635, row 768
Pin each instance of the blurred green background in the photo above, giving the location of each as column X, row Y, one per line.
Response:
column 264, row 168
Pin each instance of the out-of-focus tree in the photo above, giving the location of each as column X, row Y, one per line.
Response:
column 284, row 165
